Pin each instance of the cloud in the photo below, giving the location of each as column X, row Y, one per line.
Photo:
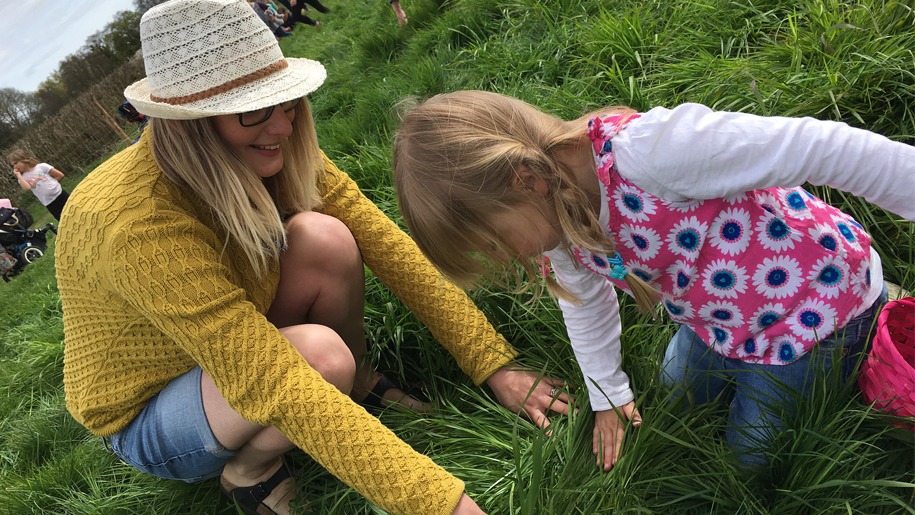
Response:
column 35, row 35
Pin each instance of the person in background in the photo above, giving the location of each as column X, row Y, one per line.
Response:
column 212, row 283
column 398, row 11
column 271, row 18
column 298, row 10
column 42, row 179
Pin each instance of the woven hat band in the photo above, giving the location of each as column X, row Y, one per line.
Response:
column 213, row 57
column 222, row 88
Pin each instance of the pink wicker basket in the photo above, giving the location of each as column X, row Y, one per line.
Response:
column 888, row 374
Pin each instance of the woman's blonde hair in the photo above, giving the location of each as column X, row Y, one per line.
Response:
column 250, row 209
column 20, row 155
column 456, row 162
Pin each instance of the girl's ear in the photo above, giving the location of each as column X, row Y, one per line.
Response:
column 527, row 180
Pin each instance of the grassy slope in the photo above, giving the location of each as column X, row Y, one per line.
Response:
column 828, row 59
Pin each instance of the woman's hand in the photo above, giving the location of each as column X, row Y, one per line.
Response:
column 529, row 394
column 608, row 433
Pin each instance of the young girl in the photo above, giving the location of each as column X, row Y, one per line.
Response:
column 212, row 282
column 41, row 179
column 700, row 210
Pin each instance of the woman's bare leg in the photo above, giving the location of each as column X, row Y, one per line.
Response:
column 259, row 447
column 328, row 288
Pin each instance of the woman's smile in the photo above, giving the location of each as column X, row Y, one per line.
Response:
column 259, row 145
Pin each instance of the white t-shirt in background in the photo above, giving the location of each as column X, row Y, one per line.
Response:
column 45, row 187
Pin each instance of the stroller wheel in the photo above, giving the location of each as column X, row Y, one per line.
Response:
column 30, row 254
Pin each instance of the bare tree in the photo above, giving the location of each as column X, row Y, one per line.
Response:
column 18, row 109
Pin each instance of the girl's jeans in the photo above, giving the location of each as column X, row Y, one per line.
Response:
column 763, row 394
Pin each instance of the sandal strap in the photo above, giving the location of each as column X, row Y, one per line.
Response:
column 373, row 399
column 251, row 497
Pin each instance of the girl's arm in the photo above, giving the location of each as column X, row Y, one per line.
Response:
column 594, row 329
column 56, row 174
column 693, row 152
column 23, row 182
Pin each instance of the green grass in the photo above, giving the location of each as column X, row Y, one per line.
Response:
column 849, row 61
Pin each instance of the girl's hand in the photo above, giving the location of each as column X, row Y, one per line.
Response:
column 515, row 389
column 608, row 433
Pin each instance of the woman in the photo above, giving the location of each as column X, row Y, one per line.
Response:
column 42, row 179
column 212, row 284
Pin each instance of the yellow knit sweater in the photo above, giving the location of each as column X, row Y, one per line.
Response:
column 149, row 292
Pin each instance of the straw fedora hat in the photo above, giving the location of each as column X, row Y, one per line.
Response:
column 213, row 57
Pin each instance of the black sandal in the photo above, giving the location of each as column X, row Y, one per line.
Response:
column 251, row 498
column 375, row 398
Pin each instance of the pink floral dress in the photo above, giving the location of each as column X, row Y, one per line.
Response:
column 760, row 276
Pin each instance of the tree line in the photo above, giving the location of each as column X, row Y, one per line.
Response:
column 102, row 53
column 60, row 121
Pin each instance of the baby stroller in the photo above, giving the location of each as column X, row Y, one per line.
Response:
column 128, row 112
column 19, row 245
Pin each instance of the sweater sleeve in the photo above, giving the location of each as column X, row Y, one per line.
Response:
column 594, row 329
column 693, row 152
column 167, row 265
column 396, row 260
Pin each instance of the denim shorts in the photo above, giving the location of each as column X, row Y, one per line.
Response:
column 171, row 437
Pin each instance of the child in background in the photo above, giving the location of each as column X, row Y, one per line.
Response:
column 41, row 179
column 271, row 18
column 398, row 11
column 699, row 210
column 298, row 8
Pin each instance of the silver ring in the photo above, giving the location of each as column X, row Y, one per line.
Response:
column 553, row 391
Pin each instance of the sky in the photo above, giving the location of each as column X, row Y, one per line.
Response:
column 35, row 35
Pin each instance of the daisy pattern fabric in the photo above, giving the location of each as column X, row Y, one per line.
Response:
column 761, row 276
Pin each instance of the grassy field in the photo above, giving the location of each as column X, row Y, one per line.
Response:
column 849, row 61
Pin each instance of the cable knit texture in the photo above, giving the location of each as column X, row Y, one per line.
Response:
column 149, row 290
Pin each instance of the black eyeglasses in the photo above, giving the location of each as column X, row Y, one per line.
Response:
column 252, row 118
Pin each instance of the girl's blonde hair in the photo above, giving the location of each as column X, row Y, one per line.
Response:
column 22, row 156
column 456, row 161
column 250, row 209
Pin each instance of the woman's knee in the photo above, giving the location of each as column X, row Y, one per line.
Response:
column 326, row 352
column 321, row 242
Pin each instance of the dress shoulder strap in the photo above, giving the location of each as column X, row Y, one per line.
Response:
column 601, row 130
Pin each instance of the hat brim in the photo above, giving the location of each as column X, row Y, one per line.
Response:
column 299, row 78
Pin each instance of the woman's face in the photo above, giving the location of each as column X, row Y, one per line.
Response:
column 260, row 145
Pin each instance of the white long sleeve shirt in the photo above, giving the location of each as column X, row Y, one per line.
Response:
column 692, row 152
